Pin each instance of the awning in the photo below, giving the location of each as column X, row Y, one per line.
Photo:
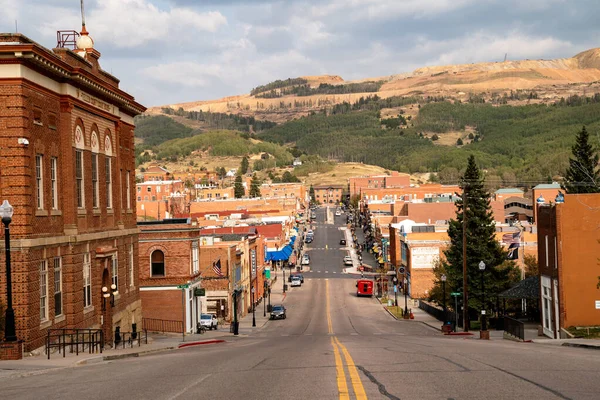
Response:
column 279, row 255
column 526, row 289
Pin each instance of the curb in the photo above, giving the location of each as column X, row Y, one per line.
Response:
column 213, row 341
column 581, row 345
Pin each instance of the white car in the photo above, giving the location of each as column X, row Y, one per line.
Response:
column 338, row 213
column 348, row 260
column 209, row 321
column 296, row 281
column 305, row 260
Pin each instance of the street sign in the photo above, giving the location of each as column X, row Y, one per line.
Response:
column 199, row 292
column 401, row 270
column 455, row 294
column 184, row 286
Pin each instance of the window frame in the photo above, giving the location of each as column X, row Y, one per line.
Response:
column 95, row 185
column 108, row 178
column 114, row 276
column 128, row 188
column 195, row 257
column 43, row 290
column 131, row 266
column 152, row 265
column 54, row 182
column 58, row 286
column 79, row 179
column 87, row 280
column 39, row 180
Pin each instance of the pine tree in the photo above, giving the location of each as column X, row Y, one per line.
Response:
column 244, row 166
column 255, row 187
column 481, row 244
column 238, row 188
column 583, row 174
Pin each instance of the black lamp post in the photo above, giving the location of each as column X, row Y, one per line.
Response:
column 106, row 295
column 483, row 321
column 284, row 284
column 10, row 335
column 253, row 308
column 443, row 277
column 406, row 316
column 264, row 298
column 395, row 280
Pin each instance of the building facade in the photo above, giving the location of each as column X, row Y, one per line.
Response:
column 328, row 194
column 67, row 166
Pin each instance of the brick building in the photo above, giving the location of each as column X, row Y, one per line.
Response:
column 67, row 167
column 328, row 194
column 568, row 249
column 395, row 179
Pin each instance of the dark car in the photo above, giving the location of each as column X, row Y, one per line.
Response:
column 308, row 239
column 278, row 312
column 343, row 242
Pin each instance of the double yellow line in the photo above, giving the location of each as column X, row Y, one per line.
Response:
column 359, row 390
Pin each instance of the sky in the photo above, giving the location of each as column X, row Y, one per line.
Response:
column 173, row 51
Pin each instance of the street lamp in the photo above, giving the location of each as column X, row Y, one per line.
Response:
column 253, row 308
column 395, row 280
column 106, row 295
column 444, row 294
column 10, row 335
column 483, row 333
column 264, row 298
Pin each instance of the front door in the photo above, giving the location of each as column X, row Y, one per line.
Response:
column 547, row 304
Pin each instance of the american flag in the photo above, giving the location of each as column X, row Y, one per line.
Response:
column 217, row 268
column 510, row 238
column 513, row 251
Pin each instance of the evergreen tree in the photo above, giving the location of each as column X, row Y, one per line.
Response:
column 583, row 174
column 311, row 193
column 244, row 166
column 238, row 188
column 481, row 245
column 254, row 187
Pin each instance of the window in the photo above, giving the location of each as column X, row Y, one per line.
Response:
column 139, row 198
column 57, row 286
column 87, row 280
column 53, row 183
column 131, row 269
column 79, row 178
column 107, row 168
column 148, row 189
column 195, row 264
column 157, row 260
column 39, row 180
column 115, row 271
column 128, row 189
column 95, row 193
column 37, row 117
column 153, row 198
column 44, row 290
column 139, row 189
column 52, row 121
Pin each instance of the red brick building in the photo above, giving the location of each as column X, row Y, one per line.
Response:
column 328, row 194
column 67, row 167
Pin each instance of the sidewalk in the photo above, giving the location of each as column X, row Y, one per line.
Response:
column 157, row 342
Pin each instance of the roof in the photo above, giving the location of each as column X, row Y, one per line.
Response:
column 321, row 187
column 247, row 230
column 269, row 230
column 528, row 288
column 508, row 190
column 553, row 185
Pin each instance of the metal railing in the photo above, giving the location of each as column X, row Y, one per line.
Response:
column 74, row 340
column 514, row 328
column 162, row 325
column 130, row 338
column 439, row 314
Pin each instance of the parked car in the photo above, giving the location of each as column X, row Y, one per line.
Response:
column 338, row 213
column 278, row 312
column 296, row 281
column 209, row 321
column 308, row 239
column 342, row 241
column 348, row 260
column 305, row 259
column 313, row 216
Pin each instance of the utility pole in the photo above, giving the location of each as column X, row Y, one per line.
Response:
column 465, row 294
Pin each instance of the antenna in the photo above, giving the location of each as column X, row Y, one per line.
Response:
column 82, row 15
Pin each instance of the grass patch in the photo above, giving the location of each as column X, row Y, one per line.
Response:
column 586, row 332
column 396, row 311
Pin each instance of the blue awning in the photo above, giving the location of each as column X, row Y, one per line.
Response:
column 279, row 255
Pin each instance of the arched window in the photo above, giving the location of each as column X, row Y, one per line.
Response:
column 157, row 263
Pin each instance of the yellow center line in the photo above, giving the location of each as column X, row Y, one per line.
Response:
column 357, row 385
column 341, row 375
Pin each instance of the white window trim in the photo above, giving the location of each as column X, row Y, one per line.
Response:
column 95, row 184
column 39, row 180
column 115, row 271
column 54, row 182
column 44, row 291
column 59, row 289
column 128, row 189
column 108, row 173
column 131, row 266
column 195, row 258
column 81, row 188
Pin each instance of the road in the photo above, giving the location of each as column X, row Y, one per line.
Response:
column 333, row 345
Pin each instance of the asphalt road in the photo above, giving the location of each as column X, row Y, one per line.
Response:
column 332, row 345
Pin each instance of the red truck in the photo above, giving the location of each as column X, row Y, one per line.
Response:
column 364, row 287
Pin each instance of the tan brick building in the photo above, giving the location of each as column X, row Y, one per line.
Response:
column 67, row 167
column 328, row 194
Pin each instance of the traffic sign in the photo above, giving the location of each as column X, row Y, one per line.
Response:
column 184, row 286
column 401, row 270
column 455, row 294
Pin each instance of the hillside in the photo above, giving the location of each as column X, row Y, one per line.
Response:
column 550, row 79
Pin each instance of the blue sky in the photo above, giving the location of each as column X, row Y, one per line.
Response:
column 170, row 51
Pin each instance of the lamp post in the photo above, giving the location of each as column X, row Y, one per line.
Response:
column 284, row 284
column 444, row 293
column 483, row 334
column 6, row 212
column 406, row 316
column 395, row 280
column 264, row 298
column 253, row 308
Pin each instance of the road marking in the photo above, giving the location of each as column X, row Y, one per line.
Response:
column 185, row 389
column 359, row 390
column 318, row 271
column 326, row 272
column 334, row 272
column 340, row 374
column 354, row 334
